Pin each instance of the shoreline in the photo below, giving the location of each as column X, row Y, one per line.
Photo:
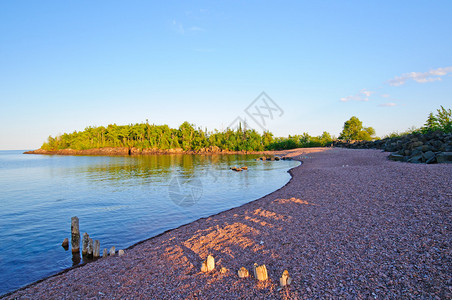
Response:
column 275, row 152
column 335, row 238
column 124, row 151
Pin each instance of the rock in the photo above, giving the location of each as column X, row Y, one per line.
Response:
column 85, row 242
column 396, row 157
column 444, row 157
column 245, row 168
column 428, row 155
column 105, row 254
column 121, row 252
column 277, row 158
column 208, row 265
column 260, row 272
column 96, row 250
column 65, row 243
column 75, row 235
column 285, row 279
column 243, row 272
column 90, row 247
column 415, row 159
column 112, row 251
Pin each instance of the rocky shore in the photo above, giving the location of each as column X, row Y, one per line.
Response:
column 433, row 147
column 350, row 224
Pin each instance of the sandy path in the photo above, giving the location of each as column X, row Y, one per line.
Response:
column 350, row 224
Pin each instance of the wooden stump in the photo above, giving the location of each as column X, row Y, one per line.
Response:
column 260, row 272
column 121, row 252
column 85, row 242
column 112, row 251
column 75, row 235
column 208, row 265
column 105, row 254
column 243, row 272
column 96, row 250
column 90, row 247
column 285, row 279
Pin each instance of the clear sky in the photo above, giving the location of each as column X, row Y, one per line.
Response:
column 66, row 65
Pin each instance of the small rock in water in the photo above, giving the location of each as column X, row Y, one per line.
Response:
column 112, row 251
column 96, row 250
column 208, row 265
column 65, row 243
column 243, row 272
column 121, row 252
column 285, row 279
column 105, row 254
column 260, row 272
column 85, row 243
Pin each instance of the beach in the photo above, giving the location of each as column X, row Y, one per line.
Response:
column 349, row 224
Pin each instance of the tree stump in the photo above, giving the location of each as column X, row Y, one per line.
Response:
column 75, row 235
column 121, row 252
column 105, row 254
column 112, row 251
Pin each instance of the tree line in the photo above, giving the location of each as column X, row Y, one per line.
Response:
column 189, row 138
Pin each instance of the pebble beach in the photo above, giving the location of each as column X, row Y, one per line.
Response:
column 349, row 224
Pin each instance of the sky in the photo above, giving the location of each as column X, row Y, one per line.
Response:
column 66, row 65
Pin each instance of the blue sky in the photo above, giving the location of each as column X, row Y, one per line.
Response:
column 66, row 65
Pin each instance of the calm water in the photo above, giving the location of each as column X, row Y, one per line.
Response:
column 119, row 201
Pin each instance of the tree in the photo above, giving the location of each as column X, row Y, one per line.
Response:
column 354, row 130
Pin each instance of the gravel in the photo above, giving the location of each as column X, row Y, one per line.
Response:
column 350, row 224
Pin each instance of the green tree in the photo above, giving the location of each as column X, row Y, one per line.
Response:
column 354, row 130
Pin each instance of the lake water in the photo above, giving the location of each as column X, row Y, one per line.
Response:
column 119, row 201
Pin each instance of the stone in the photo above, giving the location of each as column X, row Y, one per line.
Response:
column 105, row 253
column 396, row 157
column 96, row 250
column 285, row 279
column 90, row 247
column 85, row 242
column 112, row 251
column 121, row 252
column 428, row 155
column 277, row 158
column 65, row 243
column 444, row 157
column 260, row 272
column 208, row 265
column 75, row 234
column 243, row 272
column 415, row 159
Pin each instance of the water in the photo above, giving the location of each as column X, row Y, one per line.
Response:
column 119, row 201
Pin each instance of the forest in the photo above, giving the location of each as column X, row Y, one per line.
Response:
column 189, row 138
column 186, row 137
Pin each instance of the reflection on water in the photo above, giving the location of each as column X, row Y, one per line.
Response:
column 119, row 201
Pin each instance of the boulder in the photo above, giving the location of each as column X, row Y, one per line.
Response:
column 416, row 159
column 444, row 157
column 396, row 157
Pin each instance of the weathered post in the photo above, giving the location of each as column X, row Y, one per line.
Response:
column 96, row 251
column 105, row 254
column 75, row 235
column 90, row 247
column 85, row 242
column 112, row 251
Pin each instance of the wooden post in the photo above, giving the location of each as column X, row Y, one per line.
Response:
column 105, row 254
column 96, row 251
column 85, row 242
column 90, row 247
column 75, row 235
